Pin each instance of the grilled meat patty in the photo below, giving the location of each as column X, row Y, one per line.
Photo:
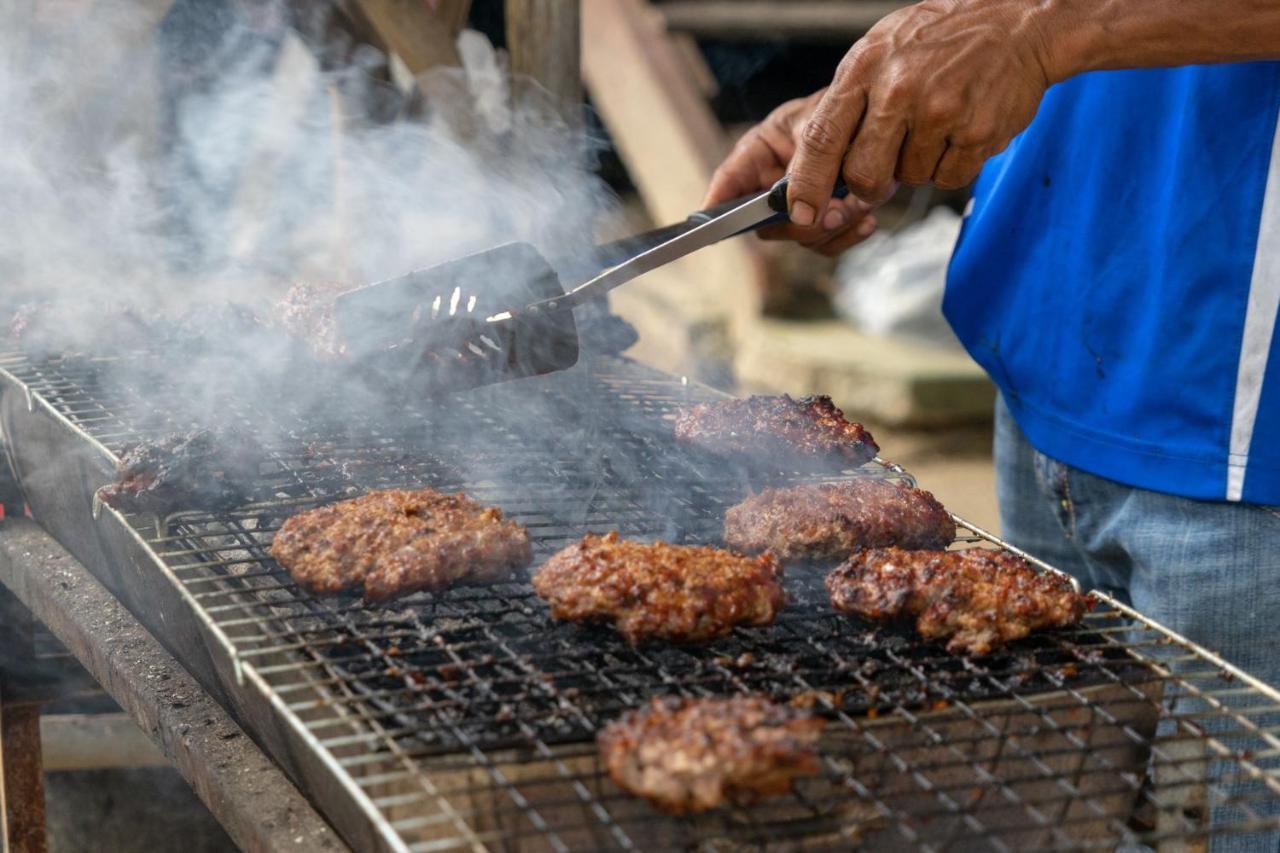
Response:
column 395, row 542
column 778, row 432
column 682, row 593
column 690, row 755
column 828, row 521
column 975, row 599
column 200, row 469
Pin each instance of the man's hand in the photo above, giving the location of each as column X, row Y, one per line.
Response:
column 929, row 94
column 761, row 157
column 937, row 88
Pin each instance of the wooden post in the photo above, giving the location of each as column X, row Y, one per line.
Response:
column 671, row 142
column 21, row 771
column 662, row 126
column 544, row 38
column 423, row 33
column 22, row 782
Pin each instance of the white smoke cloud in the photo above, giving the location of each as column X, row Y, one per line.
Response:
column 204, row 156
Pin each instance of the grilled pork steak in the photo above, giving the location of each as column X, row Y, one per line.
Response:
column 682, row 593
column 975, row 599
column 396, row 542
column 828, row 521
column 201, row 469
column 690, row 755
column 777, row 431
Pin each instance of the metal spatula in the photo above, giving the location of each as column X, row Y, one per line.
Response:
column 503, row 313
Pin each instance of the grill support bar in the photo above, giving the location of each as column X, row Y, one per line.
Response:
column 213, row 754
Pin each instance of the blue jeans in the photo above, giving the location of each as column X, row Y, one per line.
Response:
column 1210, row 571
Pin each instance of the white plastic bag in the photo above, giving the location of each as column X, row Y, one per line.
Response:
column 892, row 284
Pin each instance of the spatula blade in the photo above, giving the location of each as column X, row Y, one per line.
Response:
column 429, row 330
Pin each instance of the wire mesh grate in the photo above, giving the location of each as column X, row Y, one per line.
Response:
column 468, row 717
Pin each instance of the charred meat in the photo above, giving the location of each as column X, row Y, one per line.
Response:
column 777, row 431
column 396, row 542
column 681, row 593
column 200, row 469
column 305, row 313
column 976, row 599
column 828, row 521
column 690, row 755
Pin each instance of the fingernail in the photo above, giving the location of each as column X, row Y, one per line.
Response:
column 866, row 226
column 834, row 219
column 803, row 214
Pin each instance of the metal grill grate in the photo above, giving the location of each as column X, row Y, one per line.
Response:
column 465, row 720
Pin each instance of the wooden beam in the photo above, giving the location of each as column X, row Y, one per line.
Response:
column 335, row 34
column 686, row 46
column 423, row 33
column 662, row 126
column 834, row 20
column 671, row 143
column 544, row 39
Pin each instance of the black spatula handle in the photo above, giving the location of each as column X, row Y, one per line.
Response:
column 777, row 200
column 618, row 251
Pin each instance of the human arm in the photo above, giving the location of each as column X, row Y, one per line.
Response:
column 761, row 157
column 937, row 88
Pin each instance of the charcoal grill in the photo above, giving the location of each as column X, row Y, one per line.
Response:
column 465, row 720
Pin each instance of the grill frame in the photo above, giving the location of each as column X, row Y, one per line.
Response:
column 39, row 408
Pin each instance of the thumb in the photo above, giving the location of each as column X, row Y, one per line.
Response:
column 820, row 154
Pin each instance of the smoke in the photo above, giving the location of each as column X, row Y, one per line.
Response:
column 153, row 170
column 209, row 154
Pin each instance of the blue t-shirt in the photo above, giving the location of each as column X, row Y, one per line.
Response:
column 1118, row 275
